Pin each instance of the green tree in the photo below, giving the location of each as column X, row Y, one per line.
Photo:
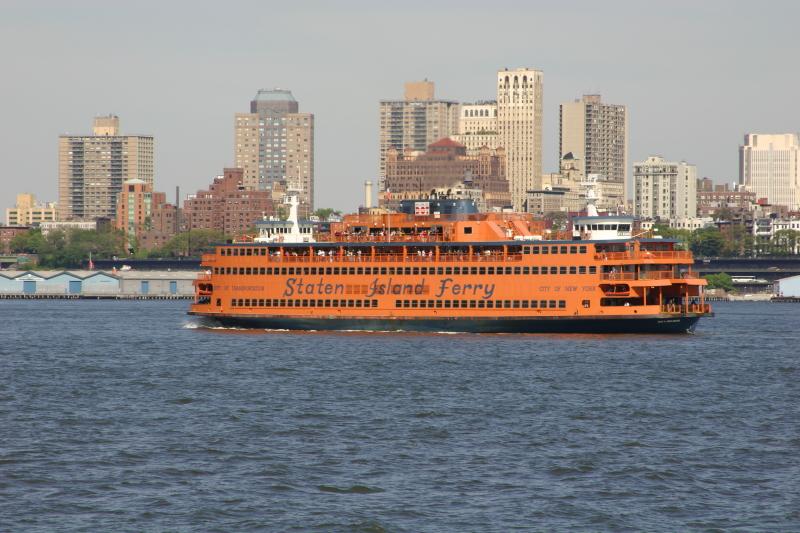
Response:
column 720, row 281
column 558, row 220
column 785, row 241
column 190, row 243
column 707, row 242
column 324, row 212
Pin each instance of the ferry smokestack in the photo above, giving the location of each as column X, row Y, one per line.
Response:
column 367, row 194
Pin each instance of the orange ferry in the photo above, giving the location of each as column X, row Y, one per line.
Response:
column 493, row 272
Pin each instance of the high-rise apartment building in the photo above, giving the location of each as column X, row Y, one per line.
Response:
column 665, row 190
column 415, row 122
column 769, row 166
column 275, row 143
column 92, row 168
column 477, row 126
column 519, row 129
column 26, row 212
column 596, row 134
column 135, row 205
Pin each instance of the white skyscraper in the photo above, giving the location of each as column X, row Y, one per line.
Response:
column 769, row 166
column 519, row 129
column 665, row 190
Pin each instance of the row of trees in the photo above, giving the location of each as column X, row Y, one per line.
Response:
column 711, row 242
column 72, row 248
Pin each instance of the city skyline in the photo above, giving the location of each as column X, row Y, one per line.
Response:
column 686, row 96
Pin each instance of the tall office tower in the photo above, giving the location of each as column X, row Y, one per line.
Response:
column 769, row 166
column 664, row 190
column 597, row 135
column 519, row 130
column 477, row 126
column 91, row 169
column 275, row 142
column 411, row 124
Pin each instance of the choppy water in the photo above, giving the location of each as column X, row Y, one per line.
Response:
column 119, row 416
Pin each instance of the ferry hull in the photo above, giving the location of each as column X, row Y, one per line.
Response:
column 626, row 324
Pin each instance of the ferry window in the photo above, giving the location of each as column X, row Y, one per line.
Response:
column 573, row 249
column 263, row 251
column 423, row 271
column 335, row 271
column 423, row 303
column 358, row 303
column 582, row 270
column 552, row 304
column 430, row 304
column 534, row 270
column 219, row 301
column 562, row 304
column 415, row 271
column 534, row 304
column 247, row 271
column 310, row 303
column 350, row 303
column 562, row 270
column 592, row 270
column 367, row 271
column 306, row 271
column 359, row 271
column 235, row 251
column 325, row 303
column 374, row 303
column 507, row 304
column 407, row 271
column 439, row 271
column 282, row 303
column 482, row 271
column 398, row 303
column 524, row 304
column 535, row 250
column 267, row 303
column 517, row 270
column 457, row 271
column 526, row 250
column 233, row 303
column 516, row 304
column 573, row 270
column 414, row 303
column 383, row 271
column 585, row 303
column 554, row 270
column 283, row 271
column 464, row 304
column 391, row 271
column 472, row 304
column 438, row 304
column 490, row 304
column 334, row 303
column 553, row 250
column 262, row 271
column 582, row 249
column 481, row 304
column 447, row 304
column 543, row 304
column 313, row 271
column 351, row 271
column 474, row 271
column 249, row 251
column 248, row 303
column 261, row 303
column 545, row 250
column 467, row 230
column 289, row 303
column 490, row 270
column 563, row 249
column 448, row 270
column 526, row 270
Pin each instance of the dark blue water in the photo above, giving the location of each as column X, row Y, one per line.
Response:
column 118, row 416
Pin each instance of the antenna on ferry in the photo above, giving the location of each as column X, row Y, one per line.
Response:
column 590, row 184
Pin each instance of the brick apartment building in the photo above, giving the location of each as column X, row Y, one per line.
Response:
column 227, row 206
column 446, row 164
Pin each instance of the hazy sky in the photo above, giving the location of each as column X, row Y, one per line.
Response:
column 695, row 75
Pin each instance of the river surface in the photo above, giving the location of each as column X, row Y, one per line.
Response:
column 125, row 416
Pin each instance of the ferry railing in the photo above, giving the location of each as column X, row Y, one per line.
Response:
column 647, row 275
column 392, row 258
column 643, row 254
column 614, row 276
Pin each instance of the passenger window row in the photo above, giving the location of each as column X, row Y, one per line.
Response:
column 554, row 249
column 480, row 304
column 403, row 271
column 247, row 302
